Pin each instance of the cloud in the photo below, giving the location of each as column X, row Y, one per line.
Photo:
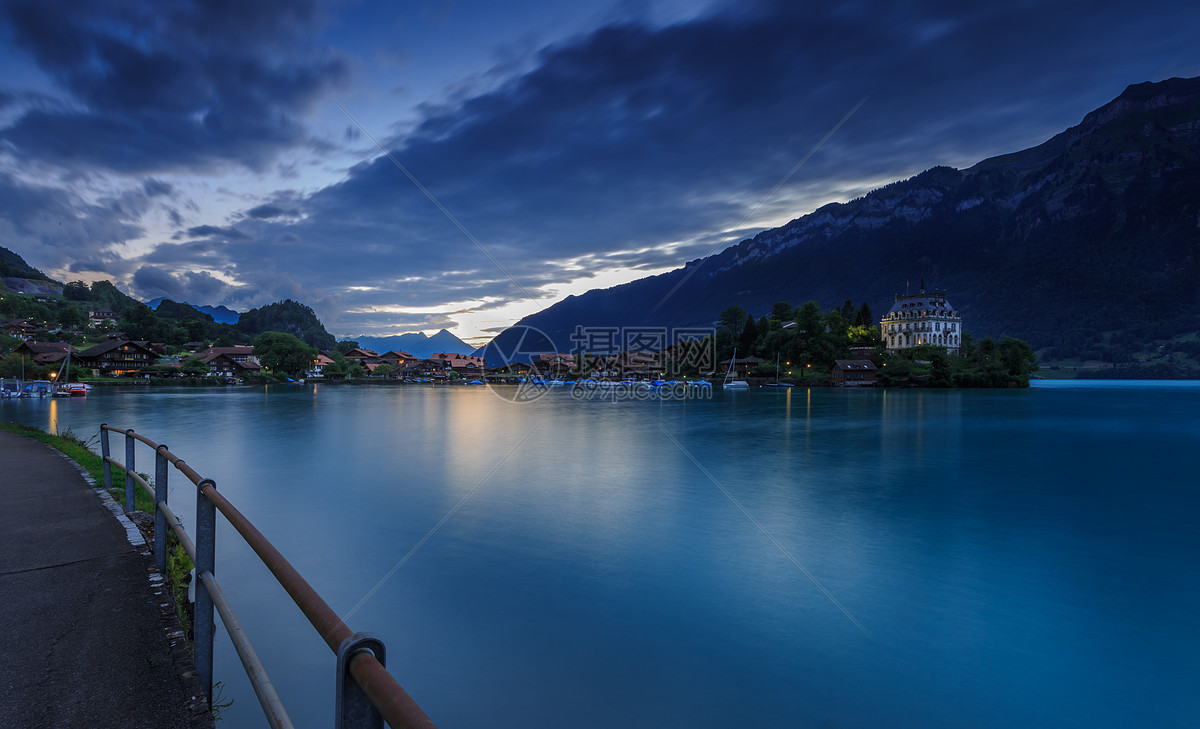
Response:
column 267, row 211
column 632, row 145
column 199, row 287
column 169, row 87
column 214, row 231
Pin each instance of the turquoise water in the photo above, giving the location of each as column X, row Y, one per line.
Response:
column 761, row 559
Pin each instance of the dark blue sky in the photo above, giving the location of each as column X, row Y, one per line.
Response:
column 198, row 150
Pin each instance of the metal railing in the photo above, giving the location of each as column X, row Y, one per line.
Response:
column 366, row 694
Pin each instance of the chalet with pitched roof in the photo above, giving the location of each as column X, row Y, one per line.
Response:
column 100, row 317
column 117, row 357
column 23, row 329
column 853, row 373
column 240, row 353
column 463, row 364
column 45, row 353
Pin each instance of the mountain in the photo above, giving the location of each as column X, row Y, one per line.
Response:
column 218, row 313
column 13, row 266
column 1096, row 230
column 416, row 343
column 287, row 316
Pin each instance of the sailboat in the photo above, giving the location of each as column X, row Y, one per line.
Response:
column 730, row 383
column 777, row 383
column 68, row 389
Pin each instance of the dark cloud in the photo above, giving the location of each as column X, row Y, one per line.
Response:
column 271, row 210
column 157, row 188
column 214, row 231
column 182, row 85
column 151, row 282
column 630, row 146
column 53, row 227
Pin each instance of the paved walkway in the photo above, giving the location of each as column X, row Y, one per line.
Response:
column 86, row 639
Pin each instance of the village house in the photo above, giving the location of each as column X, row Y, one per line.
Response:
column 398, row 359
column 853, row 373
column 463, row 364
column 225, row 364
column 553, row 365
column 23, row 329
column 363, row 356
column 319, row 365
column 118, row 357
column 45, row 353
column 238, row 353
column 100, row 317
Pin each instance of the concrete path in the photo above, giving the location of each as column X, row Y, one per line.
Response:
column 86, row 637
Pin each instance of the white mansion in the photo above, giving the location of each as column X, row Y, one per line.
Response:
column 923, row 318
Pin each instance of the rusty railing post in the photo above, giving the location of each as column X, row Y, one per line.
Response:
column 160, row 519
column 129, row 471
column 206, row 553
column 104, row 453
column 354, row 709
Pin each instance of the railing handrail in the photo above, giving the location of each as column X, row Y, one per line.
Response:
column 378, row 685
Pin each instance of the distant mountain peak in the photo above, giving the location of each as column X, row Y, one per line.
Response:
column 416, row 343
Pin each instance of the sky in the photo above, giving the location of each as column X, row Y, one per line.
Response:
column 460, row 164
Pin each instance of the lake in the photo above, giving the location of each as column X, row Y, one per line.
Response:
column 796, row 558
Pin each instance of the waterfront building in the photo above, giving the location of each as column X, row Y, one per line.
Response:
column 853, row 373
column 118, row 357
column 922, row 318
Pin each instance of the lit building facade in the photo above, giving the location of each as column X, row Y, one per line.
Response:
column 923, row 318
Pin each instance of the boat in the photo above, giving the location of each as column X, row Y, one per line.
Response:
column 730, row 383
column 10, row 387
column 73, row 389
column 777, row 383
column 65, row 388
column 38, row 388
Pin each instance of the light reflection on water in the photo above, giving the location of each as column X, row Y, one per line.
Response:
column 1015, row 558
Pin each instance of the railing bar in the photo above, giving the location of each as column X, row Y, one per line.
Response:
column 331, row 628
column 393, row 702
column 267, row 697
column 176, row 526
column 145, row 486
column 173, row 521
column 175, row 460
column 388, row 696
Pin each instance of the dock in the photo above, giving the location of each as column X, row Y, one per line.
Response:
column 89, row 634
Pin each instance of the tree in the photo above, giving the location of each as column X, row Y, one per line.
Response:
column 346, row 345
column 864, row 317
column 848, row 311
column 194, row 367
column 336, row 369
column 77, row 291
column 749, row 335
column 941, row 374
column 284, row 352
column 69, row 317
column 782, row 311
column 733, row 320
column 384, row 370
column 1016, row 357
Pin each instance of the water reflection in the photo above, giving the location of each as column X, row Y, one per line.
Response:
column 1007, row 575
